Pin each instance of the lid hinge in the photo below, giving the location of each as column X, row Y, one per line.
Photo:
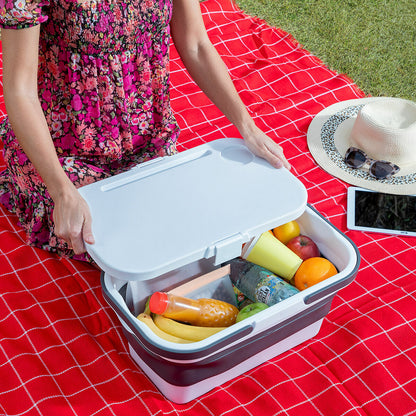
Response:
column 227, row 249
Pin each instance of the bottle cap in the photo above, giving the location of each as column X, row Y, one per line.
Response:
column 158, row 302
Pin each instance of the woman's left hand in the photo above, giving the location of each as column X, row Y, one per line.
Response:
column 263, row 146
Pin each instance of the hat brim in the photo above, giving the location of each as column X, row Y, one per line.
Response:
column 328, row 140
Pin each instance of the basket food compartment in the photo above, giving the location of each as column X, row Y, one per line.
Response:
column 185, row 371
column 239, row 197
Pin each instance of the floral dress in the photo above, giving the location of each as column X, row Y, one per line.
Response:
column 104, row 89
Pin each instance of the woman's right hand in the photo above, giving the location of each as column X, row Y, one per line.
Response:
column 72, row 219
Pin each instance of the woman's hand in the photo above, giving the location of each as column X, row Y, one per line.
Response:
column 72, row 220
column 263, row 146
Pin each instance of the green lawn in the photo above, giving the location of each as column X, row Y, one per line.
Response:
column 372, row 41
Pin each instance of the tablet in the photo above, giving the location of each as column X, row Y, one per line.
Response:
column 379, row 212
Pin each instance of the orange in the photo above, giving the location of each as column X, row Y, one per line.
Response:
column 312, row 271
column 286, row 232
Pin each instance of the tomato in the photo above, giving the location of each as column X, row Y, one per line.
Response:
column 312, row 271
column 286, row 232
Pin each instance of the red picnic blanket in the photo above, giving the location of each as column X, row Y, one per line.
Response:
column 62, row 351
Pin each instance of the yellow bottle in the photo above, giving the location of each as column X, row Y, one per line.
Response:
column 201, row 312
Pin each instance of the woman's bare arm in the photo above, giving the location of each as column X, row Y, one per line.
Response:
column 20, row 66
column 210, row 73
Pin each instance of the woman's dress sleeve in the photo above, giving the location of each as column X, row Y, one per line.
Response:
column 21, row 14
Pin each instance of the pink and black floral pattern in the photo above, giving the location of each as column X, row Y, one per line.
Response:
column 104, row 89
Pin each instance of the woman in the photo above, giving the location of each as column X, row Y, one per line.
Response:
column 86, row 89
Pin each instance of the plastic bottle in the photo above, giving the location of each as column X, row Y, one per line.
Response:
column 201, row 312
column 258, row 283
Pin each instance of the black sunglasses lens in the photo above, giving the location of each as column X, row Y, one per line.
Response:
column 355, row 159
column 381, row 170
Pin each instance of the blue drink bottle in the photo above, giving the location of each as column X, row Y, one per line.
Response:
column 258, row 283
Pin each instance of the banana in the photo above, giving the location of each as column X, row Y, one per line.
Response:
column 189, row 332
column 147, row 319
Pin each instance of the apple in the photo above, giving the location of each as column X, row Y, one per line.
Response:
column 250, row 310
column 304, row 247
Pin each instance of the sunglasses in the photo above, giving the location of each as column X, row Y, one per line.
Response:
column 378, row 169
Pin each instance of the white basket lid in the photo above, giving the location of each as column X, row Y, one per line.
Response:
column 205, row 202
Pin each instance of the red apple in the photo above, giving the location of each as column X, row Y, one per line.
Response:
column 304, row 247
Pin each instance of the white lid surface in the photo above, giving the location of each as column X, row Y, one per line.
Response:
column 171, row 211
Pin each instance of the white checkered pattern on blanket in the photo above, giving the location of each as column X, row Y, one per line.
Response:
column 62, row 350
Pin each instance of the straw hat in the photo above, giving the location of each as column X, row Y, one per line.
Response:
column 383, row 127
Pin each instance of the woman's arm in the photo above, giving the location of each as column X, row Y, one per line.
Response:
column 210, row 73
column 20, row 65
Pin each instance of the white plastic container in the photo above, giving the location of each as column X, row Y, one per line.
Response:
column 172, row 220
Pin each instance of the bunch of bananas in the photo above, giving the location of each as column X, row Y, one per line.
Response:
column 175, row 331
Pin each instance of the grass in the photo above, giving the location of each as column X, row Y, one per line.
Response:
column 371, row 41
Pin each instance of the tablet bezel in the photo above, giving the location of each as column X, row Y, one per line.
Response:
column 351, row 205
